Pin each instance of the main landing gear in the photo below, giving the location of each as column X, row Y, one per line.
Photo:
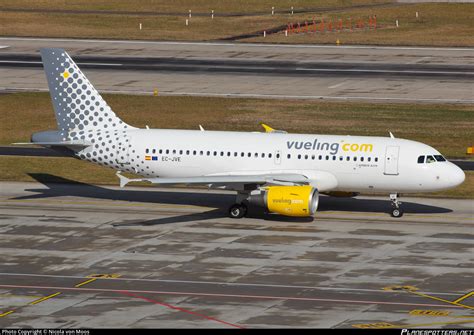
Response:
column 396, row 210
column 239, row 209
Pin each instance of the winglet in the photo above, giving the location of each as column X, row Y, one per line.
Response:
column 267, row 128
column 123, row 180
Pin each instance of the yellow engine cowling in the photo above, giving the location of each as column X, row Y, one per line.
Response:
column 288, row 200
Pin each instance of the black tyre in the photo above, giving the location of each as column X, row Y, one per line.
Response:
column 397, row 213
column 237, row 211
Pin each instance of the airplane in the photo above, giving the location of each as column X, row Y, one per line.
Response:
column 282, row 173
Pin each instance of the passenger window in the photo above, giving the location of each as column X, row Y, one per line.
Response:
column 430, row 159
column 187, row 152
column 333, row 158
column 181, row 152
column 299, row 156
column 222, row 153
column 277, row 155
column 167, row 151
column 348, row 158
column 154, row 151
column 269, row 155
column 369, row 159
column 249, row 154
column 228, row 153
column 320, row 157
column 362, row 159
column 313, row 157
column 263, row 155
column 288, row 156
column 305, row 156
column 256, row 155
column 215, row 153
column 440, row 158
column 201, row 152
column 421, row 159
column 376, row 159
column 341, row 158
column 235, row 154
column 194, row 152
column 355, row 158
column 174, row 152
column 208, row 153
column 327, row 158
column 147, row 151
column 242, row 154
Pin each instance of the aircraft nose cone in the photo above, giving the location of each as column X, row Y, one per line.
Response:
column 457, row 175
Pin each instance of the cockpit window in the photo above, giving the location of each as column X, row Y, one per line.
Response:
column 430, row 159
column 421, row 159
column 440, row 158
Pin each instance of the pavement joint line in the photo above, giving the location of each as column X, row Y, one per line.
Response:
column 216, row 283
column 236, row 296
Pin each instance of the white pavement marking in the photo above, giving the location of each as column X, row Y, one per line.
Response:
column 383, row 71
column 257, row 45
column 3, row 46
column 38, row 62
column 224, row 283
column 337, row 85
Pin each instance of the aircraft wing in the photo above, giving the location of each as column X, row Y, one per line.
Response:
column 229, row 180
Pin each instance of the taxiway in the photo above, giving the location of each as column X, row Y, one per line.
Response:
column 79, row 255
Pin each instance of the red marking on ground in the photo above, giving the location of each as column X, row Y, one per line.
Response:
column 220, row 295
column 180, row 309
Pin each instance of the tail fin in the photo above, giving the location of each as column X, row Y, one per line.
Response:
column 78, row 106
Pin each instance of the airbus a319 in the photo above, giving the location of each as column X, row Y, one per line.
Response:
column 283, row 173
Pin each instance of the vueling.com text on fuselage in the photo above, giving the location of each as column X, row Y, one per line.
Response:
column 333, row 147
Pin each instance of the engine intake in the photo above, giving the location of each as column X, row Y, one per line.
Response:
column 287, row 200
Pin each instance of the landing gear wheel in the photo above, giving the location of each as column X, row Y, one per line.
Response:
column 397, row 213
column 396, row 210
column 237, row 211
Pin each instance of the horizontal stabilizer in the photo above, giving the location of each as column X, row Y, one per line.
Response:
column 70, row 144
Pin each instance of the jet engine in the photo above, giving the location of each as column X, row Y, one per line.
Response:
column 287, row 200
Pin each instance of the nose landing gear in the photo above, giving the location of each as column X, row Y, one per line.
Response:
column 397, row 212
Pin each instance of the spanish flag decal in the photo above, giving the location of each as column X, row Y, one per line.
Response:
column 148, row 158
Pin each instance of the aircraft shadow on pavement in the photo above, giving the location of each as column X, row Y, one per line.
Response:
column 58, row 187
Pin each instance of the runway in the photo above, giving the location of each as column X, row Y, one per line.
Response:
column 79, row 255
column 353, row 73
column 254, row 67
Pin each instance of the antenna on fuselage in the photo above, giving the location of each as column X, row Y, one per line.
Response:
column 391, row 135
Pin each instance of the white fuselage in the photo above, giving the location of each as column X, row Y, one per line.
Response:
column 331, row 162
